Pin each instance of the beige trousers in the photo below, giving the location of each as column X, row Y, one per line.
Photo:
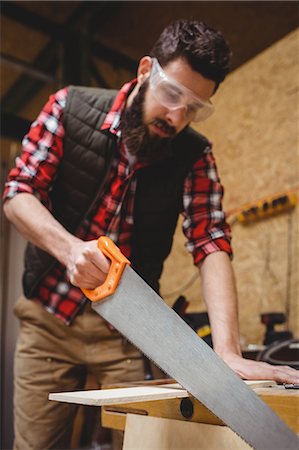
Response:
column 52, row 357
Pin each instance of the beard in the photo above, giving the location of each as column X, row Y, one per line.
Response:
column 136, row 135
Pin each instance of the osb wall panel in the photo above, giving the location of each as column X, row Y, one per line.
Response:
column 255, row 136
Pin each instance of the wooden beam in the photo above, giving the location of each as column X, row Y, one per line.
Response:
column 26, row 87
column 51, row 56
column 23, row 67
column 32, row 19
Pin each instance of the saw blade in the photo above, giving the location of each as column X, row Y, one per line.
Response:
column 138, row 313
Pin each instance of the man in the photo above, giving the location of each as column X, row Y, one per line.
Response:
column 123, row 165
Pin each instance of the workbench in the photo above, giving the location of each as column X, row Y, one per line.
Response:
column 146, row 410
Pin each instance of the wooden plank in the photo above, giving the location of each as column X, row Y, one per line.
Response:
column 118, row 396
column 130, row 394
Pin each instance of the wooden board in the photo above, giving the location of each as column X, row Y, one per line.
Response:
column 131, row 394
column 119, row 395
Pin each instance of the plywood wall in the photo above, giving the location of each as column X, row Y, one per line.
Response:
column 255, row 136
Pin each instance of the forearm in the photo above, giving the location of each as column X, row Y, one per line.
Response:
column 86, row 265
column 221, row 298
column 38, row 226
column 219, row 291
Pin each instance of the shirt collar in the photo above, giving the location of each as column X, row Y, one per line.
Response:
column 112, row 120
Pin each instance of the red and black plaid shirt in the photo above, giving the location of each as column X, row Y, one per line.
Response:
column 204, row 225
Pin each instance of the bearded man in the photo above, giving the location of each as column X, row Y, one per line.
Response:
column 122, row 164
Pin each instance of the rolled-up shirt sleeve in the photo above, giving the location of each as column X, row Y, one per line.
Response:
column 204, row 224
column 42, row 149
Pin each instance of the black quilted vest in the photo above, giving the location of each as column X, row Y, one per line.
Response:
column 87, row 155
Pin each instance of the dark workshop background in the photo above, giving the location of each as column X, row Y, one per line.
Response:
column 46, row 45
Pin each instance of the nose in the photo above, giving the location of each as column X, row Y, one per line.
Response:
column 176, row 116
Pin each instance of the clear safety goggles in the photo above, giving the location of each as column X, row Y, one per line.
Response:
column 174, row 95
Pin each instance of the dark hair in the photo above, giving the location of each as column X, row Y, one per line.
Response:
column 204, row 48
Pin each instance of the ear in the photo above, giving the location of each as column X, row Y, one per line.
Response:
column 144, row 68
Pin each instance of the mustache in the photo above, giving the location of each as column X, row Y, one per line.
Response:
column 169, row 129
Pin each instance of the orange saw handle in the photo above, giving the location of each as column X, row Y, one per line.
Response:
column 118, row 263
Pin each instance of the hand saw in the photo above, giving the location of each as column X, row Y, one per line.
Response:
column 138, row 313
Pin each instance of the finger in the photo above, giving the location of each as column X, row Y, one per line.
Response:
column 259, row 370
column 90, row 256
column 92, row 272
column 85, row 265
column 285, row 374
column 85, row 274
column 86, row 281
column 95, row 255
column 280, row 374
column 93, row 276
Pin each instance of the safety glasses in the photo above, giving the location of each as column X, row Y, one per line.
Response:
column 174, row 95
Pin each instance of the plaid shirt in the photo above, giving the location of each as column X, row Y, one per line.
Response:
column 204, row 221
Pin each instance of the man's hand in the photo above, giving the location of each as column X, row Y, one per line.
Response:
column 256, row 370
column 86, row 265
